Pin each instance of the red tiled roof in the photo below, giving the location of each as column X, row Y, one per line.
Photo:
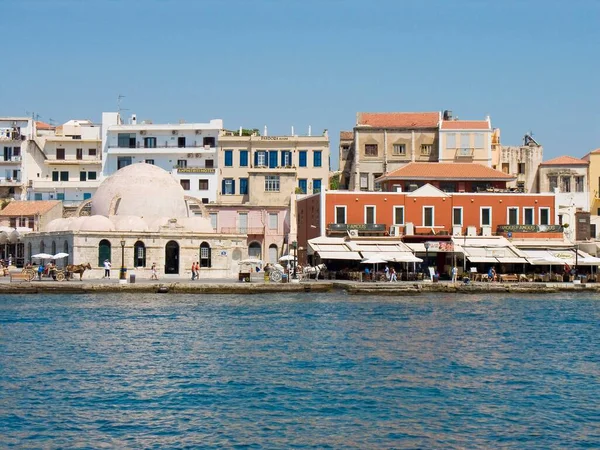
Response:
column 465, row 125
column 399, row 120
column 28, row 208
column 446, row 171
column 43, row 126
column 346, row 135
column 565, row 161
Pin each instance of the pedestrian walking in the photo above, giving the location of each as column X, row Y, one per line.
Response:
column 454, row 274
column 107, row 266
column 197, row 269
column 193, row 270
column 393, row 276
column 154, row 274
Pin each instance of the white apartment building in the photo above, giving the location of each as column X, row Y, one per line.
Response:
column 15, row 132
column 64, row 164
column 186, row 150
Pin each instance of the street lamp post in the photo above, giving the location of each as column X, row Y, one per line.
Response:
column 426, row 244
column 122, row 271
column 295, row 247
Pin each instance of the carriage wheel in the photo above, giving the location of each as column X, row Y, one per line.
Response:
column 60, row 276
column 276, row 276
column 30, row 274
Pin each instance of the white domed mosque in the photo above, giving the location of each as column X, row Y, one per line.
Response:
column 142, row 212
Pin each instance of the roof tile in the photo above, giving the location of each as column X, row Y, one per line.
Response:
column 28, row 208
column 399, row 120
column 465, row 125
column 346, row 135
column 446, row 171
column 565, row 161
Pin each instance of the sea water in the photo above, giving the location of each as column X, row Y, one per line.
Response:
column 299, row 371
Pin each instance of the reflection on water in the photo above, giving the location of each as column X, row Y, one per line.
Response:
column 283, row 370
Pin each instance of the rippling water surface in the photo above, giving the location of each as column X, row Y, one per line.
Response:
column 299, row 371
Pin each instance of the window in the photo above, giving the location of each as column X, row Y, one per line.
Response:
column 139, row 254
column 478, row 140
column 544, row 216
column 228, row 158
column 260, row 159
column 426, row 149
column 316, row 185
column 398, row 215
column 565, row 184
column 64, row 176
column 317, row 158
column 457, row 216
column 243, row 158
column 465, row 140
column 521, row 168
column 181, row 142
column 273, row 221
column 82, row 176
column 286, row 158
column 527, row 216
column 451, row 140
column 228, row 186
column 302, row 158
column 205, row 254
column 579, row 186
column 370, row 149
column 302, row 185
column 60, row 196
column 505, row 167
column 149, row 161
column 243, row 186
column 447, row 186
column 272, row 183
column 340, row 214
column 552, row 183
column 213, row 220
column 123, row 161
column 242, row 222
column 55, row 176
column 92, row 152
column 512, row 216
column 185, row 184
column 37, row 196
column 209, row 163
column 86, row 196
column 203, row 185
column 486, row 216
column 399, row 149
column 60, row 153
column 126, row 140
column 181, row 163
column 79, row 154
column 16, row 151
column 364, row 181
column 273, row 158
column 369, row 214
column 150, row 142
column 208, row 141
column 91, row 175
column 427, row 216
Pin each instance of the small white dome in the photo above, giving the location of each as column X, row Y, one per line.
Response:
column 75, row 223
column 58, row 225
column 128, row 223
column 142, row 190
column 96, row 223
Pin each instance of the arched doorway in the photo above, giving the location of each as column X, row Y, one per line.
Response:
column 254, row 250
column 42, row 247
column 139, row 254
column 205, row 255
column 66, row 250
column 103, row 252
column 273, row 253
column 172, row 257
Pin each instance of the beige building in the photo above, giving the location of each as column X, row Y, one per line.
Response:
column 465, row 141
column 346, row 157
column 384, row 142
column 521, row 160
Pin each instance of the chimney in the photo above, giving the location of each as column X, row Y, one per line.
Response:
column 309, row 130
column 133, row 119
column 265, row 132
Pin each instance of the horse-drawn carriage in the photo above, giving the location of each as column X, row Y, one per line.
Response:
column 59, row 274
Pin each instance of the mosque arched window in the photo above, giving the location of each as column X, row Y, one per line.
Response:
column 66, row 250
column 53, row 247
column 42, row 247
column 104, row 250
column 139, row 254
column 29, row 252
column 205, row 255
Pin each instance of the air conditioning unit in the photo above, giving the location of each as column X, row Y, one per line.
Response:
column 395, row 230
column 457, row 230
column 142, row 132
column 471, row 231
column 486, row 230
column 207, row 147
column 353, row 233
column 16, row 158
column 173, row 132
column 198, row 131
column 409, row 229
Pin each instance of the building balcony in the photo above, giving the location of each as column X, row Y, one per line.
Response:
column 279, row 169
column 10, row 182
column 243, row 230
column 68, row 162
column 73, row 184
column 364, row 229
column 196, row 147
column 464, row 154
column 11, row 160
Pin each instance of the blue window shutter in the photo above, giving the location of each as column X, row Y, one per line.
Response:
column 228, row 158
column 316, row 186
column 255, row 159
column 302, row 158
column 223, row 187
column 302, row 185
column 273, row 159
column 243, row 186
column 233, row 187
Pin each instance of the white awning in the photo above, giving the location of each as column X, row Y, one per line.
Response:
column 393, row 256
column 347, row 255
column 512, row 260
column 482, row 259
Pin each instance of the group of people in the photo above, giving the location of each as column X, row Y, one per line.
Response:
column 195, row 270
column 390, row 274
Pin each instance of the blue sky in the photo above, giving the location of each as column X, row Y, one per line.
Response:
column 531, row 65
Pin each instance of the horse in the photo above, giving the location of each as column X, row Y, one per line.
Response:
column 316, row 270
column 77, row 268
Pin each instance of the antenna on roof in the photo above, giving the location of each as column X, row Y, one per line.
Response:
column 33, row 115
column 119, row 109
column 51, row 121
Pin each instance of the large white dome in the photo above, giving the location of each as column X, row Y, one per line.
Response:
column 142, row 190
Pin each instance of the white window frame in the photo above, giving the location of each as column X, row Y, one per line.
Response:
column 272, row 183
column 374, row 213
column 432, row 216
column 335, row 211
column 540, row 216
column 401, row 147
column 365, row 176
column 273, row 225
column 426, row 149
column 394, row 212
column 508, row 208
column 214, row 220
column 449, row 137
column 462, row 218
column 228, row 186
column 261, row 155
column 481, row 224
column 532, row 209
column 479, row 140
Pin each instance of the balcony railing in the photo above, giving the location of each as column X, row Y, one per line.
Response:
column 371, row 227
column 242, row 230
column 166, row 144
column 465, row 153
